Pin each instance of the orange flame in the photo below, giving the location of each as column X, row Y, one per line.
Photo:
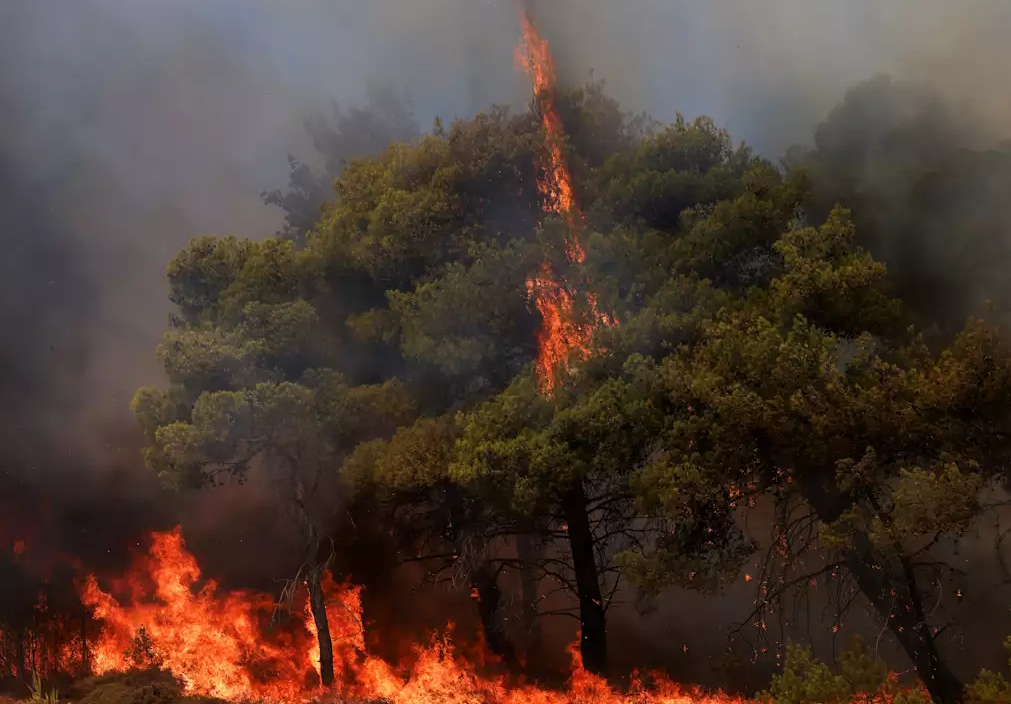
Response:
column 217, row 645
column 561, row 334
column 220, row 645
column 533, row 55
column 223, row 645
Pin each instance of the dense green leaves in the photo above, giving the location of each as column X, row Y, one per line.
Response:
column 343, row 135
column 763, row 357
column 859, row 676
column 990, row 687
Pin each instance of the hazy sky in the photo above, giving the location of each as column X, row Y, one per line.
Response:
column 160, row 120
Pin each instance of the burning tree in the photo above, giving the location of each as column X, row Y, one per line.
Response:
column 43, row 626
column 411, row 298
column 440, row 359
column 250, row 393
column 282, row 360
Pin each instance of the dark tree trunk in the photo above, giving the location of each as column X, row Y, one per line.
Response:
column 317, row 603
column 489, row 605
column 593, row 636
column 85, row 660
column 22, row 665
column 906, row 619
column 896, row 599
column 527, row 552
column 483, row 579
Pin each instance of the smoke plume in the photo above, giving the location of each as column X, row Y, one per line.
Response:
column 127, row 127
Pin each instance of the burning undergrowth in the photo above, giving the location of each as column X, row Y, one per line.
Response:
column 228, row 646
column 164, row 634
column 236, row 646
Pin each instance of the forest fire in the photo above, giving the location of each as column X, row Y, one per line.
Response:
column 217, row 645
column 708, row 503
column 227, row 645
column 562, row 333
column 50, row 636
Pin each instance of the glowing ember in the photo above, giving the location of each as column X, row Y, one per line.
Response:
column 561, row 335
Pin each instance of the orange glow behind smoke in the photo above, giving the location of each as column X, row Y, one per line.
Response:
column 562, row 334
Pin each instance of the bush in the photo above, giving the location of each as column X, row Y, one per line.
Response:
column 990, row 687
column 39, row 695
column 136, row 687
column 859, row 676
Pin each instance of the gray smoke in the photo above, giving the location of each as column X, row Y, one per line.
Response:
column 154, row 122
column 129, row 126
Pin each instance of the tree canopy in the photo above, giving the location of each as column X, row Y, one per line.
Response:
column 764, row 360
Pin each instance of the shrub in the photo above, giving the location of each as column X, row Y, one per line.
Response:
column 990, row 687
column 859, row 676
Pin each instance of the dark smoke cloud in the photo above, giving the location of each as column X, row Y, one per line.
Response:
column 127, row 127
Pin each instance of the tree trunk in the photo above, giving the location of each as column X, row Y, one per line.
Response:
column 526, row 551
column 593, row 628
column 905, row 617
column 317, row 603
column 85, row 661
column 488, row 595
column 897, row 600
column 20, row 655
column 483, row 581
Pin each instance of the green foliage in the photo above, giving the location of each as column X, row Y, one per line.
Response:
column 319, row 420
column 38, row 693
column 805, row 680
column 343, row 135
column 465, row 323
column 201, row 273
column 761, row 355
column 829, row 281
column 990, row 687
column 671, row 170
column 417, row 456
column 859, row 676
column 501, row 449
column 690, row 556
column 944, row 501
column 419, row 208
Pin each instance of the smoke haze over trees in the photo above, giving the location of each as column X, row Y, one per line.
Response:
column 128, row 128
